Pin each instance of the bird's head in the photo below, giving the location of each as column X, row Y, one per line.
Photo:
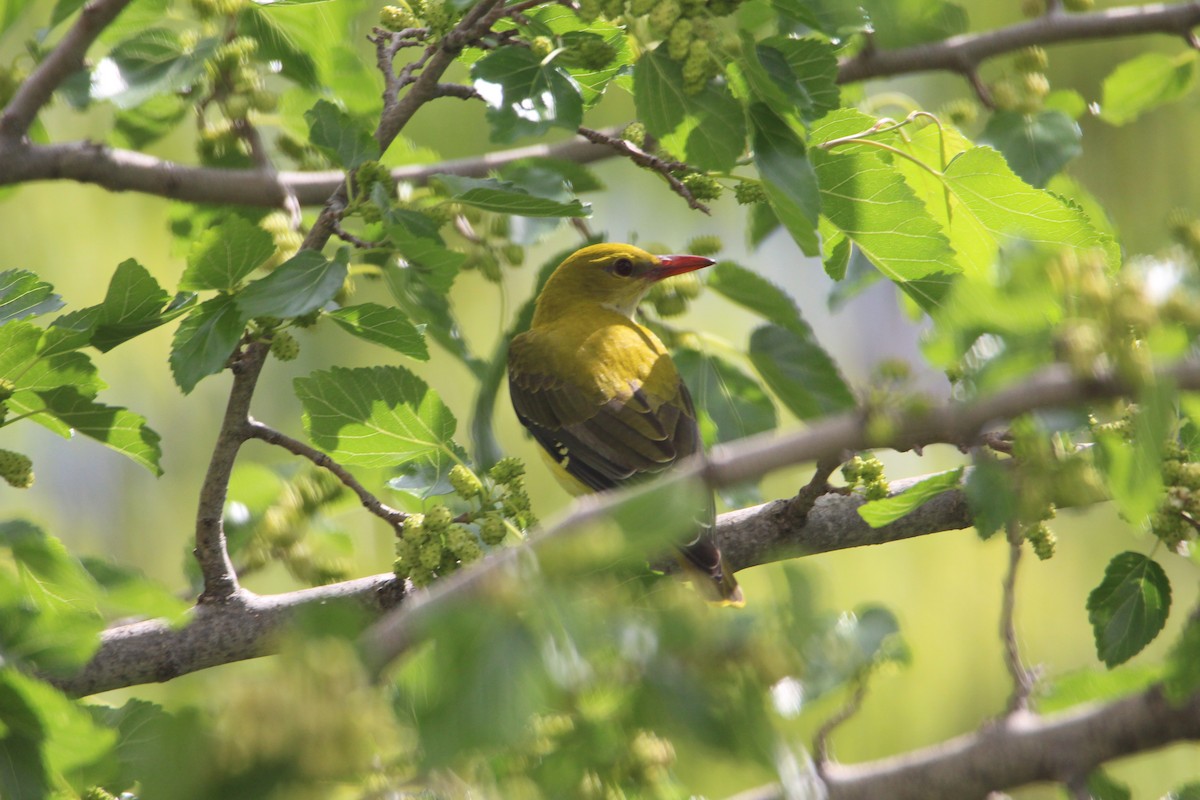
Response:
column 616, row 276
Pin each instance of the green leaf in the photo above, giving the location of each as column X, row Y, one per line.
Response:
column 48, row 737
column 205, row 340
column 135, row 128
column 806, row 69
column 787, row 176
column 382, row 325
column 1129, row 607
column 133, row 305
column 799, row 372
column 526, row 96
column 276, row 42
column 1145, row 82
column 707, row 129
column 564, row 22
column 1036, row 146
column 115, row 427
column 1132, row 469
column 994, row 207
column 991, row 495
column 1102, row 787
column 868, row 199
column 23, row 294
column 887, row 510
column 340, row 136
column 901, row 23
column 303, row 283
column 376, row 417
column 507, row 198
column 150, row 63
column 225, row 254
column 751, row 290
column 1093, row 685
column 1183, row 665
column 730, row 403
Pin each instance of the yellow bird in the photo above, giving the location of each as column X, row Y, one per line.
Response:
column 600, row 393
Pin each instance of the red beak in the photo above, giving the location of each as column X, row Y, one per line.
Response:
column 677, row 265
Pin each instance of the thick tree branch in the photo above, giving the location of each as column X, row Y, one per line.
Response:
column 244, row 627
column 964, row 53
column 65, row 59
column 1021, row 749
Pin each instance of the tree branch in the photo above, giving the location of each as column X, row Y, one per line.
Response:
column 65, row 59
column 126, row 170
column 153, row 650
column 257, row 430
column 1024, row 748
column 220, row 579
column 964, row 53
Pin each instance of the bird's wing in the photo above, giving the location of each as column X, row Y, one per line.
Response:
column 605, row 442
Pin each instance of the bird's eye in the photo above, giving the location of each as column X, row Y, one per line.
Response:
column 623, row 267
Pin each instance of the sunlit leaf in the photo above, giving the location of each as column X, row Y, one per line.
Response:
column 507, row 198
column 375, row 417
column 1145, row 82
column 884, row 511
column 383, row 325
column 23, row 294
column 525, row 95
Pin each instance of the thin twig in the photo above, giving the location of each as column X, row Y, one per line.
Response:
column 64, row 60
column 392, row 516
column 637, row 155
column 1022, row 678
column 459, row 90
column 802, row 503
column 821, row 738
column 347, row 236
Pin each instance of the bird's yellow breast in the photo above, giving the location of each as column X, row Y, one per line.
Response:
column 601, row 352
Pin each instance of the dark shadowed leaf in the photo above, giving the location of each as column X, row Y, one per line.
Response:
column 1129, row 607
column 1036, row 146
column 303, row 283
column 382, row 325
column 525, row 96
column 205, row 340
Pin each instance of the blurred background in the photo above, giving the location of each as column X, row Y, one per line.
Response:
column 945, row 589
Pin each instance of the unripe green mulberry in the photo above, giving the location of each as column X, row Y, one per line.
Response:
column 463, row 544
column 1031, row 59
column 679, row 41
column 591, row 53
column 1036, row 85
column 466, row 484
column 662, row 18
column 507, row 470
column 961, row 112
column 397, row 17
column 702, row 187
column 492, row 528
column 431, row 555
column 16, row 469
column 7, row 387
column 635, row 132
column 590, row 9
column 414, row 529
column 613, row 8
column 438, row 519
column 640, row 8
column 670, row 305
column 747, row 193
column 514, row 254
column 1042, row 540
column 703, row 246
column 284, row 346
column 541, row 46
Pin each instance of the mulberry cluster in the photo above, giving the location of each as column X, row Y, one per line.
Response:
column 282, row 532
column 438, row 542
column 685, row 27
column 867, row 474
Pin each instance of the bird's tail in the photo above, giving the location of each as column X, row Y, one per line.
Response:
column 701, row 561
